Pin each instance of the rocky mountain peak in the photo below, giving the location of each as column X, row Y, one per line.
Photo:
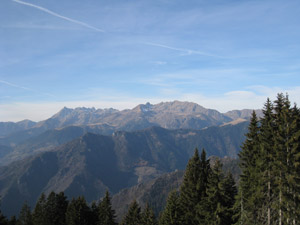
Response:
column 143, row 107
column 63, row 112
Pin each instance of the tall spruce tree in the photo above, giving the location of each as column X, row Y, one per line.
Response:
column 61, row 208
column 25, row 217
column 267, row 173
column 172, row 213
column 94, row 217
column 55, row 209
column 229, row 189
column 193, row 188
column 210, row 208
column 282, row 147
column 216, row 208
column 106, row 213
column 133, row 216
column 246, row 204
column 148, row 216
column 293, row 177
column 39, row 212
column 78, row 212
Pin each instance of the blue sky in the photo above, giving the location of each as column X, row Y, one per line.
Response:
column 110, row 53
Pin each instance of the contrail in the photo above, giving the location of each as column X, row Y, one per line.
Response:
column 58, row 15
column 24, row 88
column 187, row 51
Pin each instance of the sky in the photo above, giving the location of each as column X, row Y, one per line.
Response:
column 223, row 55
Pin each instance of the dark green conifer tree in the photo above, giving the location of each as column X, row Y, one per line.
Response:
column 55, row 209
column 12, row 221
column 3, row 220
column 215, row 208
column 268, row 212
column 106, row 213
column 246, row 206
column 148, row 217
column 282, row 147
column 25, row 217
column 78, row 212
column 172, row 214
column 94, row 217
column 133, row 216
column 229, row 189
column 61, row 208
column 50, row 209
column 39, row 212
column 193, row 188
column 293, row 178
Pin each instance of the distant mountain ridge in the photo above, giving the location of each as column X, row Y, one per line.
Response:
column 7, row 128
column 169, row 115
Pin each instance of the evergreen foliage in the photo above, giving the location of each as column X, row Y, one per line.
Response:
column 249, row 157
column 12, row 221
column 39, row 212
column 94, row 216
column 216, row 207
column 133, row 216
column 269, row 185
column 206, row 195
column 193, row 189
column 106, row 213
column 148, row 217
column 25, row 217
column 172, row 214
column 3, row 220
column 78, row 212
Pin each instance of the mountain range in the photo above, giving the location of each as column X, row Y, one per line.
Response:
column 86, row 151
column 169, row 115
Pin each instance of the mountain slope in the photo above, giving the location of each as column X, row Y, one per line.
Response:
column 47, row 141
column 91, row 164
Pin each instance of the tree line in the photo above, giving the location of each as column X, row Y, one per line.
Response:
column 57, row 210
column 268, row 190
column 206, row 195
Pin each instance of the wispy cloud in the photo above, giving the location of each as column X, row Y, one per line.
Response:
column 183, row 50
column 25, row 88
column 36, row 26
column 58, row 15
